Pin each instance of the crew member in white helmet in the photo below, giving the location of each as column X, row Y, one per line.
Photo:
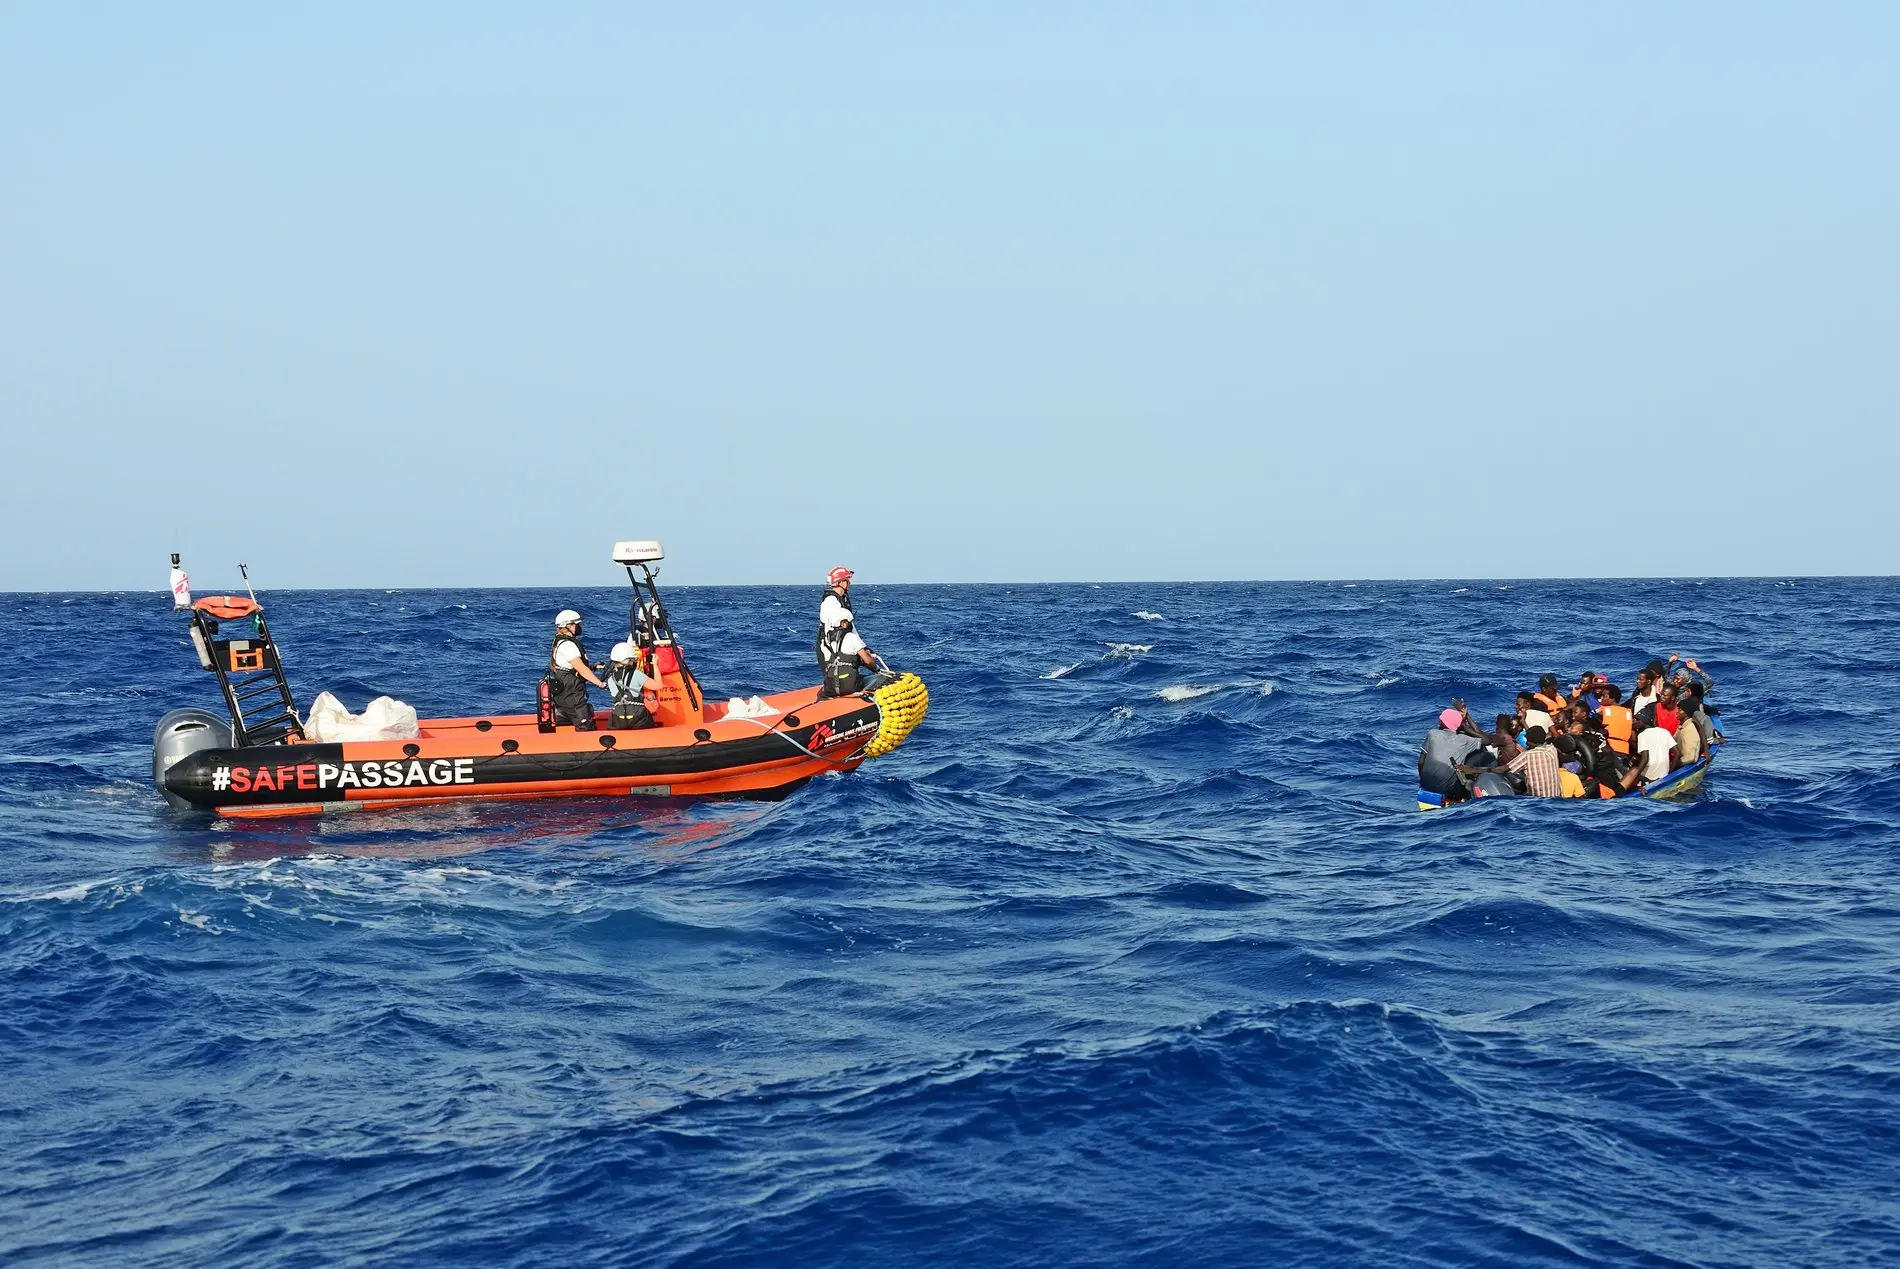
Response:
column 569, row 674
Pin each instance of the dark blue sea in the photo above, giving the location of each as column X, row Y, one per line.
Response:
column 1138, row 953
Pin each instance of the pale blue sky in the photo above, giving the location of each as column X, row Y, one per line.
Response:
column 457, row 295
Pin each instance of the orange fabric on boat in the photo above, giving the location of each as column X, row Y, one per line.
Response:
column 226, row 607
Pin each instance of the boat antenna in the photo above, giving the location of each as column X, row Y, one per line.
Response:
column 244, row 571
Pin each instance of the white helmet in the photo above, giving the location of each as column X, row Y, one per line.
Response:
column 624, row 651
column 566, row 617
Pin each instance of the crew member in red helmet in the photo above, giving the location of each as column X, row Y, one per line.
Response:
column 834, row 610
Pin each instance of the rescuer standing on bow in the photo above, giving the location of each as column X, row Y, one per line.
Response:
column 569, row 674
column 835, row 610
column 847, row 664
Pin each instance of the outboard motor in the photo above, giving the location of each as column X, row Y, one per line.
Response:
column 180, row 734
column 1492, row 784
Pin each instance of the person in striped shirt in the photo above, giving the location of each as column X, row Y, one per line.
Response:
column 1539, row 764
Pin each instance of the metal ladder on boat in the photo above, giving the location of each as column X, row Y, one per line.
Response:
column 251, row 676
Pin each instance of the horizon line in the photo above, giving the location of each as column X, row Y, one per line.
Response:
column 1208, row 581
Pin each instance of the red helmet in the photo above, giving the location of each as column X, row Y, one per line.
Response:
column 838, row 576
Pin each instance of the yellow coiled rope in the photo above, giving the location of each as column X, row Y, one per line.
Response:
column 900, row 706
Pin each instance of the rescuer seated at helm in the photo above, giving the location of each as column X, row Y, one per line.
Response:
column 569, row 674
column 849, row 665
column 629, row 687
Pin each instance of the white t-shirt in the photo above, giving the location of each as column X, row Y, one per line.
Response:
column 566, row 653
column 1537, row 718
column 1653, row 747
column 832, row 613
column 851, row 645
column 1642, row 701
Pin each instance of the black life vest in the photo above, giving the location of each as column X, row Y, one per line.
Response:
column 818, row 646
column 842, row 676
column 566, row 692
column 620, row 683
column 564, row 678
column 629, row 707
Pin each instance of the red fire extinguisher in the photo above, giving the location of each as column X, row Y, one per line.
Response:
column 544, row 705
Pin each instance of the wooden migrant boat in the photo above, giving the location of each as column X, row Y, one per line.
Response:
column 258, row 763
column 1681, row 783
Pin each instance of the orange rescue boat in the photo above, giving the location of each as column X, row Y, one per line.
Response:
column 259, row 763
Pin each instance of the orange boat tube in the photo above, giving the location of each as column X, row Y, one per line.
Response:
column 458, row 759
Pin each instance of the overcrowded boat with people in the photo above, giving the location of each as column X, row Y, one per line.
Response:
column 1583, row 741
column 661, row 735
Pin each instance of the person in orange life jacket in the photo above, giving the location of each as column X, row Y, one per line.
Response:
column 1619, row 721
column 630, row 688
column 569, row 674
column 1549, row 695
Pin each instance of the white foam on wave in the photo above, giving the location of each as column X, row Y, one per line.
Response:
column 1122, row 651
column 71, row 894
column 297, row 886
column 1178, row 692
column 1145, row 615
column 120, row 891
column 1063, row 671
column 1462, row 590
column 1121, row 713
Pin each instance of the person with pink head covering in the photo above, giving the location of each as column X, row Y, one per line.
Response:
column 1451, row 744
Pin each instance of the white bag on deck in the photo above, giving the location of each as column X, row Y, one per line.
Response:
column 384, row 718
